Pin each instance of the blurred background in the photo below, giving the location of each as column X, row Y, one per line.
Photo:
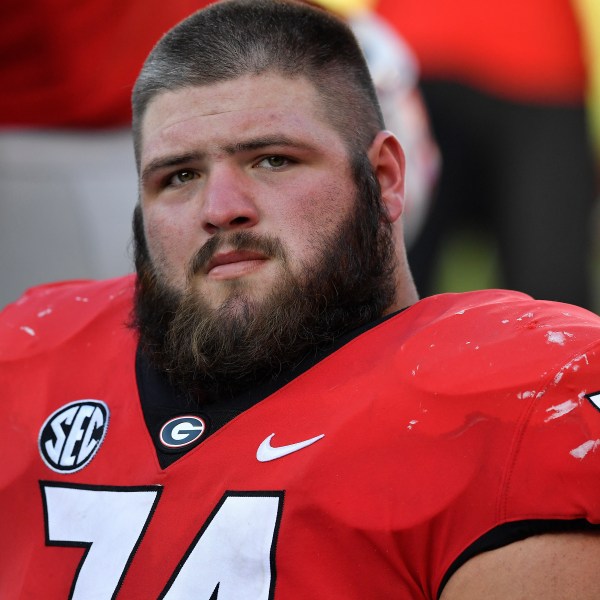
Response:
column 496, row 104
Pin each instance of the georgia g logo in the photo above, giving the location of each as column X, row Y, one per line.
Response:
column 181, row 432
column 72, row 435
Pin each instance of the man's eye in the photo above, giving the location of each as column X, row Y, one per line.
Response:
column 274, row 162
column 181, row 177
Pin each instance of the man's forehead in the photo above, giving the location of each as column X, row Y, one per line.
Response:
column 268, row 91
column 248, row 105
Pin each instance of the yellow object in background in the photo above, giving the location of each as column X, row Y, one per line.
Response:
column 589, row 20
column 346, row 7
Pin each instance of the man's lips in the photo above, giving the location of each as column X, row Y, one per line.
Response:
column 234, row 263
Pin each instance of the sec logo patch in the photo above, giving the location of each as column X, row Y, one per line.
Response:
column 181, row 432
column 71, row 436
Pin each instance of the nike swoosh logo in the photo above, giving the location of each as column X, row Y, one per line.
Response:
column 266, row 452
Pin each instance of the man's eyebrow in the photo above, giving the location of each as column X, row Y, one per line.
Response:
column 264, row 142
column 164, row 162
column 175, row 160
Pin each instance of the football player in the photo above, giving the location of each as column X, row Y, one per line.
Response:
column 266, row 411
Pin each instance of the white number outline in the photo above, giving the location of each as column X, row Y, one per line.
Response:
column 279, row 495
column 157, row 490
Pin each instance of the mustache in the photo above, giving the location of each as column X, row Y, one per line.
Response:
column 270, row 246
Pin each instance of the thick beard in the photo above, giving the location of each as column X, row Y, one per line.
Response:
column 242, row 342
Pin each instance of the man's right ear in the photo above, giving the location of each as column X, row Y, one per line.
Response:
column 387, row 158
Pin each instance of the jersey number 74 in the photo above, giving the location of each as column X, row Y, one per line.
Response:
column 232, row 557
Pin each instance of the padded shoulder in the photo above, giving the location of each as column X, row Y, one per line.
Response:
column 479, row 342
column 46, row 316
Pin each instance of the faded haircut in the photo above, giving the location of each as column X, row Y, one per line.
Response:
column 250, row 37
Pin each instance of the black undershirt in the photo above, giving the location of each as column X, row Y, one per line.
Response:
column 161, row 401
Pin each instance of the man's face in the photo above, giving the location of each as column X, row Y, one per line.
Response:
column 252, row 155
column 260, row 239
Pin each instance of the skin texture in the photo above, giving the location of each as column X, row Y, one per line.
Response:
column 562, row 566
column 255, row 153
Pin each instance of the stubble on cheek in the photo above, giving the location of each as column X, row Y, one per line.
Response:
column 166, row 256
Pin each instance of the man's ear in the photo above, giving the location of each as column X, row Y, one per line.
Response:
column 387, row 158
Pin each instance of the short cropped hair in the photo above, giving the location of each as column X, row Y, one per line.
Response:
column 250, row 37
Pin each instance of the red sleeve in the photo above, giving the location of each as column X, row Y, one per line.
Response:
column 554, row 472
column 506, row 384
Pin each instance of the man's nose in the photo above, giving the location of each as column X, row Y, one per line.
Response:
column 228, row 202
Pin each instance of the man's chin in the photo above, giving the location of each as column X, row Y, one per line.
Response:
column 232, row 294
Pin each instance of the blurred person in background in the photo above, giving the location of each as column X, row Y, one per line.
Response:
column 67, row 173
column 505, row 85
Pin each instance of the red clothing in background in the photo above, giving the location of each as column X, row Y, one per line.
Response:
column 72, row 63
column 528, row 51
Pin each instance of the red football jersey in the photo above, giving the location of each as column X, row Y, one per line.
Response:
column 368, row 476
